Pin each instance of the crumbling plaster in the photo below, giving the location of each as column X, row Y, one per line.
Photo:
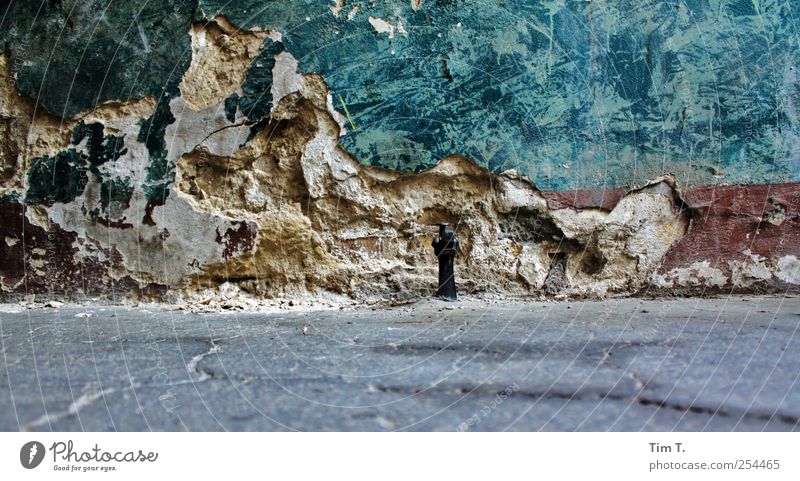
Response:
column 285, row 209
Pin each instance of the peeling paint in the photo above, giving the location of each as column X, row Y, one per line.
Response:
column 221, row 54
column 754, row 269
column 698, row 274
column 241, row 174
column 383, row 26
column 789, row 269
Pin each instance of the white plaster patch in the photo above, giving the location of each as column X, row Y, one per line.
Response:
column 37, row 263
column 747, row 272
column 650, row 226
column 327, row 171
column 179, row 245
column 207, row 128
column 533, row 265
column 382, row 26
column 364, row 232
column 285, row 78
column 789, row 269
column 697, row 274
column 621, row 248
column 512, row 193
column 339, row 118
column 253, row 194
column 578, row 224
column 337, row 7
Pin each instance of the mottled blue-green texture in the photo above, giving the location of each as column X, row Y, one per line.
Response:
column 71, row 55
column 574, row 94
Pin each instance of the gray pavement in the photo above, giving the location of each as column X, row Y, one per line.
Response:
column 625, row 364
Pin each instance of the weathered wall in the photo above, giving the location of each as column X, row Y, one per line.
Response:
column 285, row 148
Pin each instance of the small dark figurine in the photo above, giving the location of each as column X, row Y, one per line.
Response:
column 445, row 247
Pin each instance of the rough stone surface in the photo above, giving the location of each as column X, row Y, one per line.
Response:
column 291, row 208
column 228, row 150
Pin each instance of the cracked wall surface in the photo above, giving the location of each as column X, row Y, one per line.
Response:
column 247, row 161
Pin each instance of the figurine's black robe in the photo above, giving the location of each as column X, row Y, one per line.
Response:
column 445, row 247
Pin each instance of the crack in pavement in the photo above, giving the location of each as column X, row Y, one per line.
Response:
column 208, row 374
column 193, row 366
column 682, row 407
column 491, row 390
column 74, row 407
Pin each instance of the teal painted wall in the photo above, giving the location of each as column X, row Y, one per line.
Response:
column 575, row 94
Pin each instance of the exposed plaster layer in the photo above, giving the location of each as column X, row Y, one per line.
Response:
column 284, row 209
column 221, row 54
column 576, row 95
column 289, row 211
column 337, row 7
column 208, row 130
column 327, row 222
column 28, row 133
column 13, row 127
column 699, row 274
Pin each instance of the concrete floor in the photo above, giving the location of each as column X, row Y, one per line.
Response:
column 626, row 364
